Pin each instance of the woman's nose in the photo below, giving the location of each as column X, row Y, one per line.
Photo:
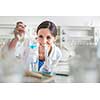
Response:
column 44, row 40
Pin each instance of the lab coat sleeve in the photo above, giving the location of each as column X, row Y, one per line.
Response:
column 55, row 58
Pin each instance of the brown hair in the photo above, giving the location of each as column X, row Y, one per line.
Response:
column 50, row 25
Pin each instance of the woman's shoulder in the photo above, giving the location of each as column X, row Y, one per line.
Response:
column 57, row 51
column 57, row 48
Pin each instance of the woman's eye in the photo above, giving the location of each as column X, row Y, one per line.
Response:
column 40, row 36
column 48, row 37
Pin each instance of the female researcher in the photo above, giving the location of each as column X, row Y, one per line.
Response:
column 49, row 53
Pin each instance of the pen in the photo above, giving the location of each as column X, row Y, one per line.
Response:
column 60, row 74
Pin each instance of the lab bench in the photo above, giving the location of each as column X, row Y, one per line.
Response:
column 33, row 77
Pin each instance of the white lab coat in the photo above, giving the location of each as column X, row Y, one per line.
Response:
column 53, row 59
column 22, row 50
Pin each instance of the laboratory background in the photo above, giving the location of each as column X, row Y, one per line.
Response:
column 78, row 38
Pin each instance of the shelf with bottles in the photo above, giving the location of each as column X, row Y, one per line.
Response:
column 77, row 35
column 69, row 37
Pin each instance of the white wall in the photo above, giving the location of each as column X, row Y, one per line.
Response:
column 59, row 20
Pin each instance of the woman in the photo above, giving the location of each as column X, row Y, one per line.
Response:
column 49, row 53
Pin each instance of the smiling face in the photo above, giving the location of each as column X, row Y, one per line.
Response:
column 45, row 37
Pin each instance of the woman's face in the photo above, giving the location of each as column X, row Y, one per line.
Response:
column 45, row 37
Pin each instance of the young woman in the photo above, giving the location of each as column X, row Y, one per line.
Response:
column 49, row 53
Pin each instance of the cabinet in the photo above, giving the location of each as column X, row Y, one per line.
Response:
column 77, row 35
column 69, row 37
